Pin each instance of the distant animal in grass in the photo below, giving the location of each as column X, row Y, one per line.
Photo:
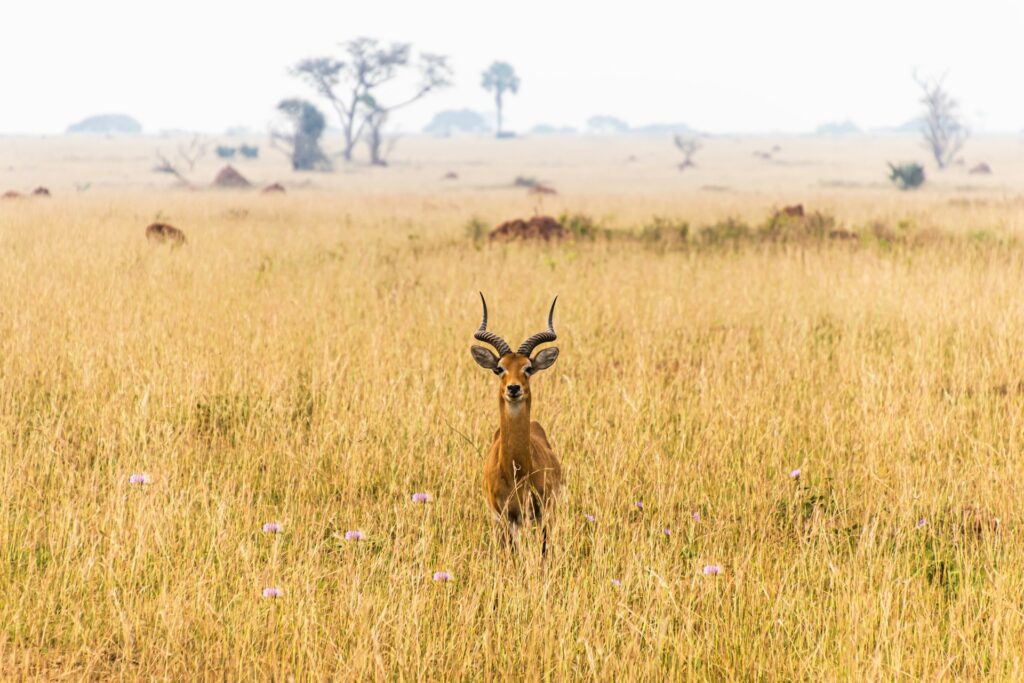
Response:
column 521, row 472
column 542, row 189
column 161, row 233
column 543, row 228
column 41, row 192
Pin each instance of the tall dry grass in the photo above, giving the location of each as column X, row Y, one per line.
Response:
column 305, row 360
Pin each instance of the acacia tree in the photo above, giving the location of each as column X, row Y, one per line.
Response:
column 302, row 142
column 349, row 83
column 688, row 146
column 500, row 78
column 604, row 125
column 192, row 152
column 944, row 129
column 434, row 73
column 189, row 153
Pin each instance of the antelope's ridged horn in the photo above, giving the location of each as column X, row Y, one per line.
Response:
column 499, row 344
column 541, row 337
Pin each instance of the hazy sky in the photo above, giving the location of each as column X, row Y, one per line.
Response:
column 718, row 65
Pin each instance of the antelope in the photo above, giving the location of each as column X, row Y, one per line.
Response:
column 161, row 232
column 521, row 472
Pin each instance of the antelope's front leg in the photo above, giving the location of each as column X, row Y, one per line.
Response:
column 510, row 519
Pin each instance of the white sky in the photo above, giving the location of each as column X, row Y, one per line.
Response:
column 718, row 65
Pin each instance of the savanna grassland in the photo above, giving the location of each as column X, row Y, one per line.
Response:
column 304, row 359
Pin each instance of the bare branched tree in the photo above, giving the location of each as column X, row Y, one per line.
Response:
column 165, row 165
column 192, row 152
column 188, row 155
column 944, row 130
column 379, row 147
column 688, row 146
column 434, row 73
column 346, row 82
column 302, row 142
column 374, row 120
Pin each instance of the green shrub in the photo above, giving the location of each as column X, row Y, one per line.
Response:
column 580, row 225
column 662, row 229
column 525, row 181
column 907, row 176
column 477, row 230
column 729, row 230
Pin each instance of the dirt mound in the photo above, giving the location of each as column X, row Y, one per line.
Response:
column 537, row 228
column 41, row 192
column 794, row 211
column 229, row 177
column 981, row 169
column 10, row 194
column 162, row 232
column 275, row 188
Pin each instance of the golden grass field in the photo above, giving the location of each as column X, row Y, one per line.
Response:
column 305, row 359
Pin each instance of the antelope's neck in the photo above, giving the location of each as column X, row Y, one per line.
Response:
column 514, row 438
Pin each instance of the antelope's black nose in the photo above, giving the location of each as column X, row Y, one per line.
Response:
column 514, row 389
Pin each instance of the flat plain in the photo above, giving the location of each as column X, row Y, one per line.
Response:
column 823, row 423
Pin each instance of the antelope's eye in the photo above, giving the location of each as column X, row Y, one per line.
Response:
column 498, row 370
column 528, row 371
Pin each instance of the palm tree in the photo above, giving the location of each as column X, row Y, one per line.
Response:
column 501, row 78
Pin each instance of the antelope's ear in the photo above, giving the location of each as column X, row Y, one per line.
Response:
column 485, row 358
column 544, row 359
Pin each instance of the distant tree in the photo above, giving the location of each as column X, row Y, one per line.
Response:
column 249, row 151
column 302, row 142
column 660, row 129
column 549, row 129
column 165, row 165
column 914, row 125
column 456, row 120
column 846, row 127
column 907, row 176
column 347, row 83
column 225, row 152
column 191, row 152
column 607, row 124
column 107, row 124
column 688, row 146
column 344, row 83
column 500, row 78
column 944, row 130
column 434, row 73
